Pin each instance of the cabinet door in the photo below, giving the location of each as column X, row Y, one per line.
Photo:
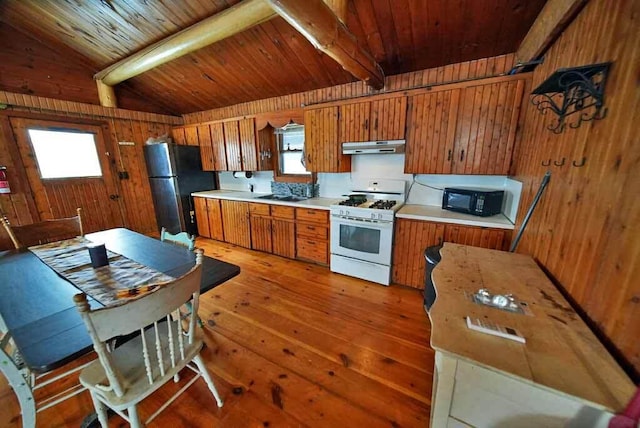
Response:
column 354, row 122
column 235, row 221
column 219, row 150
column 411, row 238
column 200, row 205
column 485, row 237
column 261, row 233
column 232, row 142
column 266, row 149
column 486, row 128
column 322, row 148
column 191, row 135
column 431, row 132
column 248, row 144
column 283, row 234
column 206, row 149
column 214, row 212
column 178, row 136
column 388, row 119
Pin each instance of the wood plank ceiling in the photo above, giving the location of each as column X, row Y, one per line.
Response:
column 271, row 59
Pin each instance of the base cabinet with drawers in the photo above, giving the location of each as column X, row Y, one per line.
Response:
column 295, row 233
column 312, row 235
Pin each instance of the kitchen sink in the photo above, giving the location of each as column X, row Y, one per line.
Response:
column 288, row 198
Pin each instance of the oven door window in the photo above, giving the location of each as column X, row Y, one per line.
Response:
column 459, row 201
column 362, row 239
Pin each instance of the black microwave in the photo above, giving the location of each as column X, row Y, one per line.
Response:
column 480, row 202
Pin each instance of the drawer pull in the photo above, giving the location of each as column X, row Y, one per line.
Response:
column 311, row 228
column 311, row 243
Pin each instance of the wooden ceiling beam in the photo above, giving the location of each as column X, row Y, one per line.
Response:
column 317, row 23
column 233, row 20
column 554, row 17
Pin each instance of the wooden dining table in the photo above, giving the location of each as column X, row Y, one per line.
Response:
column 36, row 304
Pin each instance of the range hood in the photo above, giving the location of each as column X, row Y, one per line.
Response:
column 369, row 147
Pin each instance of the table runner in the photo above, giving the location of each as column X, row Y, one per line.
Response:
column 120, row 279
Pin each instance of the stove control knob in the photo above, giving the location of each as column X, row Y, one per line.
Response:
column 341, row 212
column 380, row 216
column 373, row 216
column 347, row 212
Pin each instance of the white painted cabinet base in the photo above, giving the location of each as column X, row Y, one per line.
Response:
column 468, row 395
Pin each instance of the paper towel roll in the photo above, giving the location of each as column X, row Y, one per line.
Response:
column 242, row 174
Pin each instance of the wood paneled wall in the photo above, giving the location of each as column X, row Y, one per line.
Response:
column 586, row 230
column 122, row 125
column 476, row 69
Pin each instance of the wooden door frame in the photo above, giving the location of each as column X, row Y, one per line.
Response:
column 12, row 143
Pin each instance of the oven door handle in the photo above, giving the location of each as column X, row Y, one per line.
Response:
column 376, row 224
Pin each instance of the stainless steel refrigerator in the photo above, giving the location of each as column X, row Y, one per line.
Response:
column 174, row 173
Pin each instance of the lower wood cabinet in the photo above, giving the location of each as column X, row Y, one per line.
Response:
column 214, row 214
column 283, row 231
column 202, row 219
column 312, row 235
column 273, row 229
column 235, row 222
column 209, row 218
column 412, row 237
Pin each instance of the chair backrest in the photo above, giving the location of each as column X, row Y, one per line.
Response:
column 181, row 238
column 44, row 231
column 143, row 314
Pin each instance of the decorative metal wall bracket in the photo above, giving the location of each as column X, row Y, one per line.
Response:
column 573, row 90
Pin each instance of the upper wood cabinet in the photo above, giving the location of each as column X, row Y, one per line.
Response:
column 323, row 152
column 382, row 119
column 431, row 132
column 248, row 143
column 218, row 146
column 178, row 136
column 232, row 142
column 206, row 148
column 191, row 135
column 468, row 130
column 388, row 119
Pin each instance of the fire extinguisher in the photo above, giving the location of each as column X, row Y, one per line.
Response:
column 4, row 181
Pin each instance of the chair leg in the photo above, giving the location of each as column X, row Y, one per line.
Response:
column 101, row 410
column 134, row 420
column 207, row 378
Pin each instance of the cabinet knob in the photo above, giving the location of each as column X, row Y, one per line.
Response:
column 449, row 155
column 461, row 155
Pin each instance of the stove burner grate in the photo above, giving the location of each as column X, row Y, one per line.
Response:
column 382, row 205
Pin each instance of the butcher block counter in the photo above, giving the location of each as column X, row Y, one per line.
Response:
column 561, row 376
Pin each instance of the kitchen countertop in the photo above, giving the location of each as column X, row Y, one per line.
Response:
column 233, row 195
column 561, row 353
column 436, row 213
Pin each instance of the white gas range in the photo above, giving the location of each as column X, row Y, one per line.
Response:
column 362, row 231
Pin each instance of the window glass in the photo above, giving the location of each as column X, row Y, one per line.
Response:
column 290, row 141
column 65, row 154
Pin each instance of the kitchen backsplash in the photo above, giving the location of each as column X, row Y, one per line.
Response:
column 297, row 189
column 426, row 190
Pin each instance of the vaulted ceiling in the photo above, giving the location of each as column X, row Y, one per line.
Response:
column 81, row 37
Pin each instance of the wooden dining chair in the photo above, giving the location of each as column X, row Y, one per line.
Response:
column 186, row 240
column 120, row 379
column 182, row 238
column 44, row 231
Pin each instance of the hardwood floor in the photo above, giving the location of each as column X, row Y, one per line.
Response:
column 292, row 344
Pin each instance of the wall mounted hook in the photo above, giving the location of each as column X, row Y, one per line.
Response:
column 584, row 160
column 559, row 164
column 546, row 164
